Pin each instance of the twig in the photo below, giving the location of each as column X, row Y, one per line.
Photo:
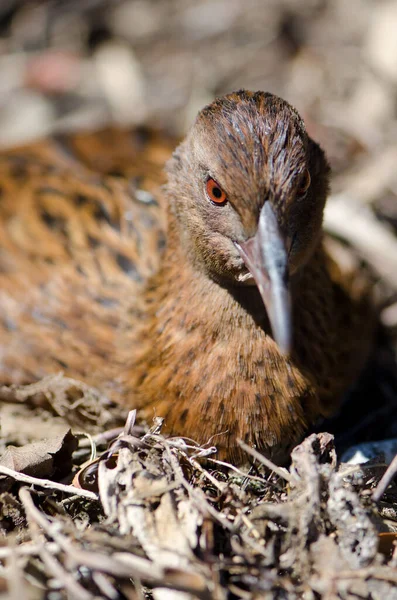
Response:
column 15, row 581
column 197, row 495
column 37, row 519
column 385, row 481
column 238, row 471
column 26, row 549
column 199, row 498
column 219, row 485
column 47, row 484
column 283, row 473
column 350, row 220
column 247, row 476
column 104, row 585
column 123, row 565
column 380, row 573
column 66, row 579
column 91, row 443
column 103, row 438
column 129, row 425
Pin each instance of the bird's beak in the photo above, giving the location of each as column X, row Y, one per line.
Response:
column 266, row 257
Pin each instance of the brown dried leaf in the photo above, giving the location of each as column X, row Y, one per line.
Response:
column 42, row 459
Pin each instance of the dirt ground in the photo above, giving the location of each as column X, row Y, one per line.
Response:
column 151, row 518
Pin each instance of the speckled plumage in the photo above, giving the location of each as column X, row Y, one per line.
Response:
column 86, row 287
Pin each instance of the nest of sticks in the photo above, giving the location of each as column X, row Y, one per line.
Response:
column 126, row 513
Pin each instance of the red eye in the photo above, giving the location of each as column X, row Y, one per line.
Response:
column 304, row 183
column 214, row 192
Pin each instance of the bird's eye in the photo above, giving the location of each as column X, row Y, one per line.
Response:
column 214, row 192
column 304, row 184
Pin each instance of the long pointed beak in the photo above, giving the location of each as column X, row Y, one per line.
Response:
column 266, row 258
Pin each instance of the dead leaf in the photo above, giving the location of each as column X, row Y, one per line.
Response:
column 48, row 458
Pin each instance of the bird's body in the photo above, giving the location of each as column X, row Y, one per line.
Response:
column 87, row 287
column 77, row 247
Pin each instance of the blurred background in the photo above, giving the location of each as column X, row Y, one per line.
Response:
column 79, row 63
column 71, row 64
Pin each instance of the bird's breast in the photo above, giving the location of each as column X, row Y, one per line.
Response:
column 213, row 372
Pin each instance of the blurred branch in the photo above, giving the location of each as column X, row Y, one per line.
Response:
column 350, row 220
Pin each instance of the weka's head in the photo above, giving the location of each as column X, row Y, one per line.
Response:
column 247, row 189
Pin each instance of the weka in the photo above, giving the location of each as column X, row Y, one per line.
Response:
column 238, row 326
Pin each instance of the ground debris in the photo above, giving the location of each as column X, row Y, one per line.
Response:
column 41, row 459
column 75, row 402
column 148, row 517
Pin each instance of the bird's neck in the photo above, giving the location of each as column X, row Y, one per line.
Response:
column 186, row 297
column 189, row 318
